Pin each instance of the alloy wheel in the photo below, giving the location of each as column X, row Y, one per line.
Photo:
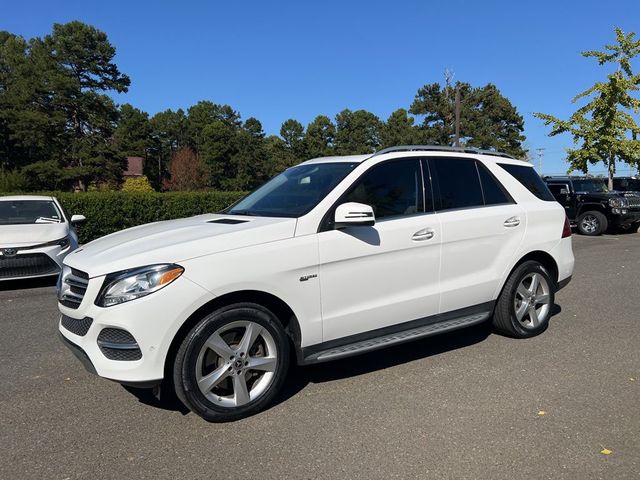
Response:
column 236, row 364
column 590, row 223
column 532, row 302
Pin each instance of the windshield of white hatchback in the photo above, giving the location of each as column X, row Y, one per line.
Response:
column 25, row 212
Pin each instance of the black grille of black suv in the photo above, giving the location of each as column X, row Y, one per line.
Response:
column 118, row 344
column 73, row 287
column 634, row 201
column 27, row 265
column 79, row 326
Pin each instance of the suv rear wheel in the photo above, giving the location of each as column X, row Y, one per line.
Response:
column 524, row 306
column 232, row 363
column 592, row 223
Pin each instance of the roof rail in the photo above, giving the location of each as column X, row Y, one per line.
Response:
column 441, row 148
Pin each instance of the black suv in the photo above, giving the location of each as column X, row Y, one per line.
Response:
column 592, row 208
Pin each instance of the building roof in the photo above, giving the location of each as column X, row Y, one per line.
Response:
column 135, row 167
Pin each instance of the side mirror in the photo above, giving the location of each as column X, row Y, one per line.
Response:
column 77, row 219
column 354, row 214
column 564, row 191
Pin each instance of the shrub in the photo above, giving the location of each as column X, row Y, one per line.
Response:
column 186, row 172
column 12, row 181
column 109, row 212
column 137, row 184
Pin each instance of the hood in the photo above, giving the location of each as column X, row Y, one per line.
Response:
column 173, row 241
column 31, row 234
column 599, row 195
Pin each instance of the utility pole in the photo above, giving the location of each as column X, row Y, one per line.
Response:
column 457, row 137
column 540, row 152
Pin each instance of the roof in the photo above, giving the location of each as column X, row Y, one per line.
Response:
column 337, row 159
column 25, row 197
column 135, row 167
column 433, row 150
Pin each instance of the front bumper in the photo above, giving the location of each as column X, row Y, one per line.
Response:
column 150, row 322
column 626, row 219
column 33, row 262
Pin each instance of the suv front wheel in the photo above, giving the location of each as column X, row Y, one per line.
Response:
column 232, row 363
column 592, row 223
column 524, row 306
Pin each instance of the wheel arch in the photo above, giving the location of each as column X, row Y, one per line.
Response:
column 276, row 305
column 591, row 207
column 539, row 256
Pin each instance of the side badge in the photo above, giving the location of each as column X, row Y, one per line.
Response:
column 304, row 278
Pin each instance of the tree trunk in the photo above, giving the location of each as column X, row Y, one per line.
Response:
column 611, row 170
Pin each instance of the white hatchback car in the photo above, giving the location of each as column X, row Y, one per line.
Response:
column 35, row 236
column 334, row 257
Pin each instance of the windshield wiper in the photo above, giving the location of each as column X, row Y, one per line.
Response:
column 249, row 213
column 47, row 220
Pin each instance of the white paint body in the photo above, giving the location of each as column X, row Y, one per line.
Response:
column 360, row 279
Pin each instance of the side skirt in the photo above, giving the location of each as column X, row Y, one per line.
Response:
column 395, row 334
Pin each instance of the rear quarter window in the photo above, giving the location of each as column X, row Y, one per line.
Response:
column 528, row 177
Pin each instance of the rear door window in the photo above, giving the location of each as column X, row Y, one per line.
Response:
column 456, row 183
column 492, row 190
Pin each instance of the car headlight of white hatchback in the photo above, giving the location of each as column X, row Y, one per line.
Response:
column 121, row 287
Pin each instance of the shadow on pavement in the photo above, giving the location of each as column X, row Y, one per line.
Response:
column 300, row 376
column 28, row 283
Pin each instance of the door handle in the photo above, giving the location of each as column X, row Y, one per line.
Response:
column 512, row 222
column 424, row 234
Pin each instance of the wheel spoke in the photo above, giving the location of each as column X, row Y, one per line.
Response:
column 533, row 288
column 542, row 299
column 524, row 293
column 251, row 333
column 533, row 315
column 240, row 390
column 218, row 345
column 209, row 381
column 267, row 364
column 522, row 309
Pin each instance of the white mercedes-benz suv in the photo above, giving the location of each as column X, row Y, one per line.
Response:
column 334, row 257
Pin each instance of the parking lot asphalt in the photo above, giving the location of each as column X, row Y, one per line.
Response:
column 469, row 404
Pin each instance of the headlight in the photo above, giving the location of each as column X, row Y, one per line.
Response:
column 125, row 286
column 619, row 202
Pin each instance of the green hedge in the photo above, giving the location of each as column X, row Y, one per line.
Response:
column 108, row 212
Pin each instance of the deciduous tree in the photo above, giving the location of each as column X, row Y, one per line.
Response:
column 604, row 129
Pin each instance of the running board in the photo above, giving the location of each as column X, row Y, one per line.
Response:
column 387, row 340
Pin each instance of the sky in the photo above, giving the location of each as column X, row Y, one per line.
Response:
column 278, row 60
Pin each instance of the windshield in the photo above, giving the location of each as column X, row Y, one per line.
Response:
column 21, row 212
column 590, row 185
column 626, row 184
column 294, row 192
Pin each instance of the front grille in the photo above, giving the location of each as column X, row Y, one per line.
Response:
column 79, row 326
column 27, row 265
column 634, row 201
column 118, row 344
column 73, row 287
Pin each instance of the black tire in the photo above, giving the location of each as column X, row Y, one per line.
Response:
column 592, row 223
column 633, row 228
column 184, row 370
column 504, row 316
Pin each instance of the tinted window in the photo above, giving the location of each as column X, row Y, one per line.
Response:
column 528, row 177
column 492, row 190
column 590, row 185
column 456, row 182
column 557, row 187
column 392, row 189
